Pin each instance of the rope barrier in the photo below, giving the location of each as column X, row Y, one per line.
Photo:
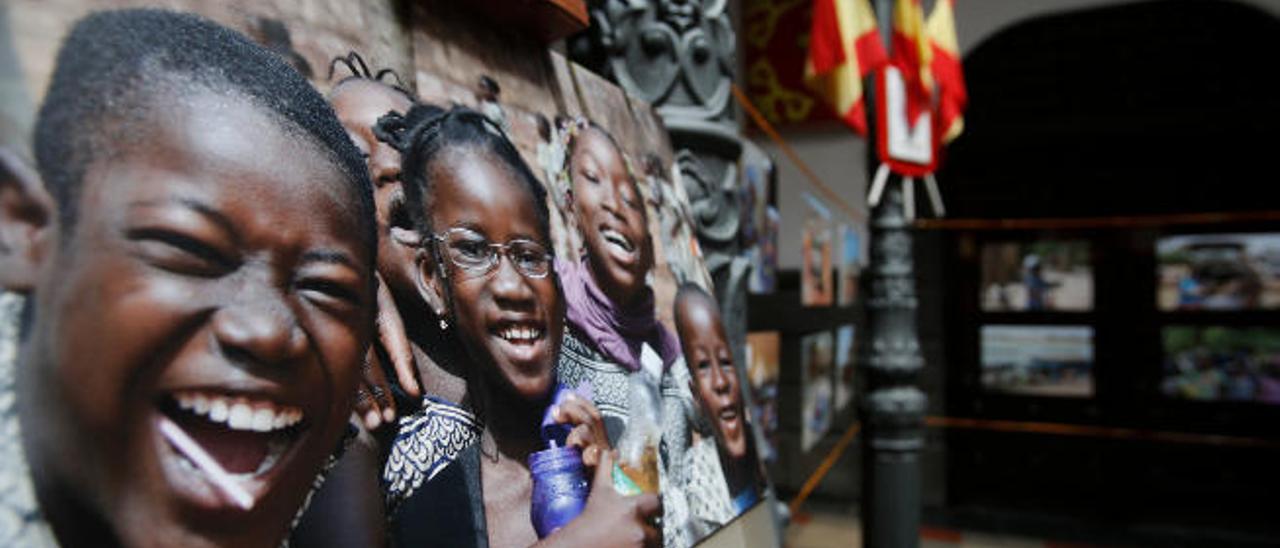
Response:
column 816, row 477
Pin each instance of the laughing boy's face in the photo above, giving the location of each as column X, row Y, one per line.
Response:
column 214, row 278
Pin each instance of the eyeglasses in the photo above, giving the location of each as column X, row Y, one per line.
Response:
column 477, row 256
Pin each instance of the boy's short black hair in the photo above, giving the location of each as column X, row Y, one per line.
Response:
column 114, row 65
column 691, row 293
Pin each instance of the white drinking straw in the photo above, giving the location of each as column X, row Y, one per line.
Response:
column 217, row 475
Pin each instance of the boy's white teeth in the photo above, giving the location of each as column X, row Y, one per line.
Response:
column 239, row 413
column 520, row 333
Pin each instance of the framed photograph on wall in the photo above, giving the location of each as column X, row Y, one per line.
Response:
column 850, row 265
column 1036, row 276
column 1221, row 363
column 1038, row 360
column 760, row 220
column 1222, row 272
column 846, row 353
column 817, row 361
column 763, row 366
column 817, row 286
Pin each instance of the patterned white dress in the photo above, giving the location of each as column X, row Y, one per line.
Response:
column 580, row 363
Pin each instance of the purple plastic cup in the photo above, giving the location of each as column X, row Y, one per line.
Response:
column 559, row 488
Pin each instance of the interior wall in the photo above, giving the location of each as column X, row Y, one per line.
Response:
column 839, row 159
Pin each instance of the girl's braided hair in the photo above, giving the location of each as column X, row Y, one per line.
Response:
column 421, row 134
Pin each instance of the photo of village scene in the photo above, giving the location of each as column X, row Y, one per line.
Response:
column 844, row 371
column 816, row 283
column 1218, row 272
column 1045, row 275
column 1222, row 364
column 1038, row 360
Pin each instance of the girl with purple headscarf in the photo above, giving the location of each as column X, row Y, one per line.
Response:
column 610, row 307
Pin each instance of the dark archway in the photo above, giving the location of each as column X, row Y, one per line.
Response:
column 1156, row 107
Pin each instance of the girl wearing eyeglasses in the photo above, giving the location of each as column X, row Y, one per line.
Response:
column 486, row 270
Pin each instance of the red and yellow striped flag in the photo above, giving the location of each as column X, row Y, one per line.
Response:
column 912, row 55
column 844, row 47
column 953, row 97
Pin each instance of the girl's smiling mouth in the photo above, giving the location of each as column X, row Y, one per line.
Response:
column 617, row 239
column 521, row 341
column 620, row 248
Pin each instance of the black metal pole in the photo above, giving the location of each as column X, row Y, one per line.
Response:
column 893, row 405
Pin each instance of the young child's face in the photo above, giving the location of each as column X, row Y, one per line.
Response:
column 215, row 277
column 359, row 104
column 511, row 323
column 715, row 380
column 611, row 217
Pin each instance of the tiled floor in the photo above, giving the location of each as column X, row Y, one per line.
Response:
column 823, row 530
column 834, row 528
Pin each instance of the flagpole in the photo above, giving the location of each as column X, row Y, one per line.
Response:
column 893, row 405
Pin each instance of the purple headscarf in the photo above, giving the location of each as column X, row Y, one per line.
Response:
column 618, row 333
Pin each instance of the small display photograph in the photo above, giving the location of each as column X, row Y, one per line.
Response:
column 1217, row 363
column 764, row 256
column 762, row 371
column 1044, row 275
column 1038, row 360
column 850, row 265
column 845, row 353
column 816, row 284
column 759, row 225
column 1218, row 272
column 816, row 353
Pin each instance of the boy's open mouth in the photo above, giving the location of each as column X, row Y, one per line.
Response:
column 730, row 423
column 245, row 435
column 728, row 416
